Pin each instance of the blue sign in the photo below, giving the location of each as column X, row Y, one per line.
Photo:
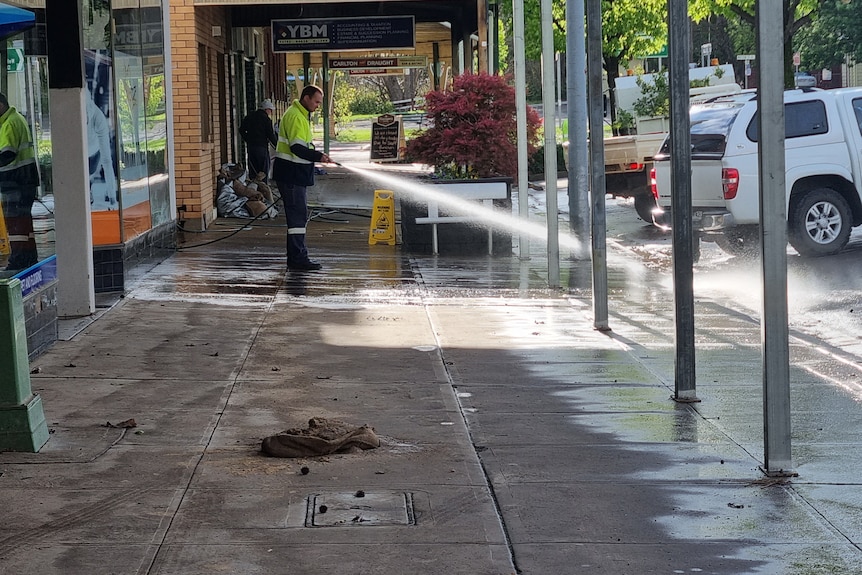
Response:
column 37, row 276
column 14, row 20
column 340, row 34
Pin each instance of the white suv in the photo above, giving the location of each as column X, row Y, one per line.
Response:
column 822, row 152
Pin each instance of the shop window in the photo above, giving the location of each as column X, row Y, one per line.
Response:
column 142, row 112
column 129, row 188
column 102, row 137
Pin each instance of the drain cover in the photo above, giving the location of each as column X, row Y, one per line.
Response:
column 360, row 509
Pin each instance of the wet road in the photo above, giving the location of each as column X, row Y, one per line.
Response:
column 824, row 294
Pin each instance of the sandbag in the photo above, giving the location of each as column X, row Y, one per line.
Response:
column 321, row 437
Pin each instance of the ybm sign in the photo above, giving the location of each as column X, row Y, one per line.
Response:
column 340, row 34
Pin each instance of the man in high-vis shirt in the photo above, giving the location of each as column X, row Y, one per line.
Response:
column 293, row 172
column 19, row 180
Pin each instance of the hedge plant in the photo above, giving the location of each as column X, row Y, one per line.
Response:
column 473, row 131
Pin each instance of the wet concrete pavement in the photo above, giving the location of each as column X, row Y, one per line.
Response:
column 515, row 438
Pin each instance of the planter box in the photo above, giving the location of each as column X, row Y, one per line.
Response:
column 457, row 237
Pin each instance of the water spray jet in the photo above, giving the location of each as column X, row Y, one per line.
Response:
column 493, row 218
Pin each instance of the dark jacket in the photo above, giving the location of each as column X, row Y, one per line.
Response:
column 256, row 130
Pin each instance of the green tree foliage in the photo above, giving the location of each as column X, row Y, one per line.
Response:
column 835, row 34
column 343, row 96
column 503, row 47
column 798, row 14
column 655, row 100
column 719, row 32
column 474, row 129
column 400, row 87
column 365, row 103
column 154, row 94
column 656, row 97
column 741, row 36
column 360, row 97
column 533, row 27
column 630, row 29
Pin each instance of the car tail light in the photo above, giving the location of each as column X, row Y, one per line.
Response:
column 729, row 182
column 635, row 167
column 652, row 185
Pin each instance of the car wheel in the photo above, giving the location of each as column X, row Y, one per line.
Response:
column 739, row 241
column 644, row 205
column 820, row 223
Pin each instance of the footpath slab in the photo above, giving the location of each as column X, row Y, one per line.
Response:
column 214, row 350
column 514, row 437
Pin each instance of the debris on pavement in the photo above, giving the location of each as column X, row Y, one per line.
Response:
column 127, row 424
column 321, row 437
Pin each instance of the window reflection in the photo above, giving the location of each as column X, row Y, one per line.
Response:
column 126, row 116
column 152, row 49
column 26, row 87
column 139, row 53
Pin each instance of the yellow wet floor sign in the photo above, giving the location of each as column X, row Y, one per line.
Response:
column 383, row 218
column 5, row 248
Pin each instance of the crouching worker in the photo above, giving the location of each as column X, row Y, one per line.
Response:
column 293, row 172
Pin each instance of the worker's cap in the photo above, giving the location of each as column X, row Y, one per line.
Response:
column 267, row 105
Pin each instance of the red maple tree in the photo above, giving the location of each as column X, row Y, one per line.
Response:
column 474, row 129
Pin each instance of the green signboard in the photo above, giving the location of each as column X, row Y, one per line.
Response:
column 15, row 60
column 660, row 54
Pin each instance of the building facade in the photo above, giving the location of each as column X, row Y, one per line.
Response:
column 164, row 85
column 127, row 145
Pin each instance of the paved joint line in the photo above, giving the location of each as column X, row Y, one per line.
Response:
column 450, row 373
column 170, row 514
column 818, row 516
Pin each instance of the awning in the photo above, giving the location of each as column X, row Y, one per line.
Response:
column 14, row 20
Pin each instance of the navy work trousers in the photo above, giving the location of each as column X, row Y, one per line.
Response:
column 296, row 211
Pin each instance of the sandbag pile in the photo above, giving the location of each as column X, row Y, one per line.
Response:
column 240, row 197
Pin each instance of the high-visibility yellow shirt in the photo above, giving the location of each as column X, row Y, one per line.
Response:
column 294, row 128
column 15, row 138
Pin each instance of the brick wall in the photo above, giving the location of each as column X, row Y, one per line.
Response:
column 197, row 156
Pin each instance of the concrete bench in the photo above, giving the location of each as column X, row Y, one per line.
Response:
column 478, row 191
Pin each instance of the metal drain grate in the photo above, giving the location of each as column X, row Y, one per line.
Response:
column 360, row 509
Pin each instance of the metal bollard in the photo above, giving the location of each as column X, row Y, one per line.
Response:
column 22, row 420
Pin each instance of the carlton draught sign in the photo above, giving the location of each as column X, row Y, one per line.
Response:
column 341, row 34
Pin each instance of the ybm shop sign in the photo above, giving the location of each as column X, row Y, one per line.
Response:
column 339, row 34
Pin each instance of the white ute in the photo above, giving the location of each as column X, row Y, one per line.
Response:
column 823, row 154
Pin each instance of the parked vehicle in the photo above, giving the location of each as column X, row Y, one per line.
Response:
column 629, row 158
column 823, row 155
